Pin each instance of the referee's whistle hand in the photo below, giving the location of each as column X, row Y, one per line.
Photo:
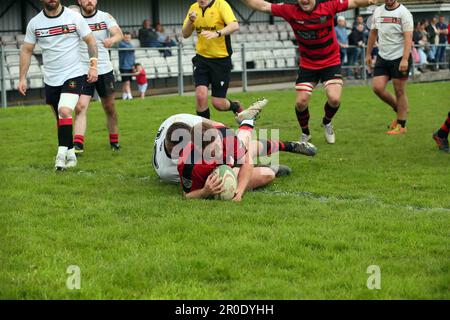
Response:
column 192, row 16
column 22, row 87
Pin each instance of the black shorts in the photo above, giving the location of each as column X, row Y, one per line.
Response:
column 53, row 94
column 104, row 86
column 390, row 68
column 126, row 78
column 213, row 71
column 320, row 75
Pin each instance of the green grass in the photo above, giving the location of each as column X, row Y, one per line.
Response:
column 370, row 199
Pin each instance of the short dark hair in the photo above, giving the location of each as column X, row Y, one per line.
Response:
column 201, row 128
column 126, row 33
column 170, row 142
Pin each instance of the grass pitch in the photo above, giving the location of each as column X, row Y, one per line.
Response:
column 370, row 199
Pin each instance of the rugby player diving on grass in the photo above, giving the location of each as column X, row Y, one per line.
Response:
column 182, row 140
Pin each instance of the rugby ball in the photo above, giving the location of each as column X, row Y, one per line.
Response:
column 229, row 182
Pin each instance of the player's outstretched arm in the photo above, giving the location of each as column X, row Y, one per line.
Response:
column 93, row 57
column 352, row 4
column 259, row 5
column 25, row 59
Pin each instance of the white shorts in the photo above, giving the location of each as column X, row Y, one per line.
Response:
column 142, row 87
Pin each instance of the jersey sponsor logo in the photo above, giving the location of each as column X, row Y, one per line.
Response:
column 313, row 34
column 42, row 33
column 320, row 20
column 393, row 20
column 203, row 28
column 98, row 26
column 55, row 31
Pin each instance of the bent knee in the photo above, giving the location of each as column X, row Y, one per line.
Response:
column 302, row 103
column 378, row 89
column 80, row 108
column 64, row 112
column 266, row 178
column 334, row 101
column 400, row 92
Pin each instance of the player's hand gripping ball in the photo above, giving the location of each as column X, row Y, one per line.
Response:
column 229, row 181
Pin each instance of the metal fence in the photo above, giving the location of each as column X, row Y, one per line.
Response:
column 265, row 59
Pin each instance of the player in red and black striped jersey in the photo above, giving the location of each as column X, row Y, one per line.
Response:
column 313, row 24
column 214, row 144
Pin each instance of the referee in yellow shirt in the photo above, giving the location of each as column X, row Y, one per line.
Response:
column 214, row 21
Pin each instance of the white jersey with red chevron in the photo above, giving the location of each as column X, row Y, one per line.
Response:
column 59, row 38
column 100, row 23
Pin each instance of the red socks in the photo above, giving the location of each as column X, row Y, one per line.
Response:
column 113, row 138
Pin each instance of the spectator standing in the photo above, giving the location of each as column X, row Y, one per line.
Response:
column 421, row 42
column 126, row 65
column 433, row 39
column 147, row 35
column 443, row 33
column 360, row 20
column 141, row 79
column 342, row 38
column 356, row 43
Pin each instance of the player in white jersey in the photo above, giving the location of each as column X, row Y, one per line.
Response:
column 393, row 25
column 107, row 32
column 163, row 162
column 58, row 31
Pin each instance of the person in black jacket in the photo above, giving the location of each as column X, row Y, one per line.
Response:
column 356, row 41
column 147, row 35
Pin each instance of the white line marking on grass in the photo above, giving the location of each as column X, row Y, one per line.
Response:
column 366, row 200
